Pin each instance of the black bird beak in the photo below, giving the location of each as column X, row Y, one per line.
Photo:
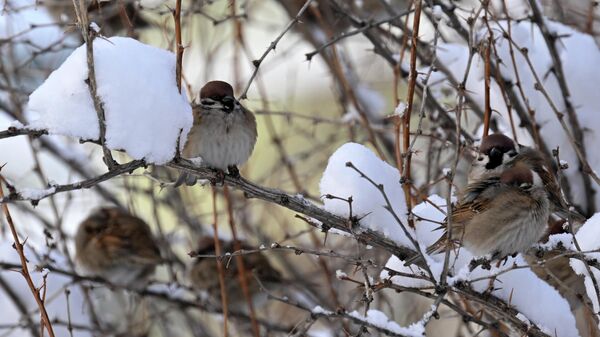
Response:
column 228, row 102
column 495, row 153
column 496, row 157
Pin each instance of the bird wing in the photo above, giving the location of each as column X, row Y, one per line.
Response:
column 475, row 199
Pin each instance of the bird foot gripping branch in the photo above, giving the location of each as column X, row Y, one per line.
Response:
column 223, row 134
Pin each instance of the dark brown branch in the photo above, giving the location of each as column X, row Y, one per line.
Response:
column 84, row 184
column 24, row 269
column 88, row 37
column 12, row 132
column 325, row 219
column 178, row 301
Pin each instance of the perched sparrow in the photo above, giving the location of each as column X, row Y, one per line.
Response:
column 499, row 215
column 498, row 152
column 224, row 132
column 204, row 275
column 117, row 246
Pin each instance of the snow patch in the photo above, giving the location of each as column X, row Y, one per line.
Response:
column 145, row 113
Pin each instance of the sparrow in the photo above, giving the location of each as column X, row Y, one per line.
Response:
column 224, row 132
column 117, row 246
column 204, row 275
column 499, row 215
column 498, row 152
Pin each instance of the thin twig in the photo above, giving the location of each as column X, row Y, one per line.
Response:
column 178, row 42
column 88, row 36
column 242, row 274
column 84, row 184
column 18, row 245
column 412, row 81
column 272, row 46
column 220, row 270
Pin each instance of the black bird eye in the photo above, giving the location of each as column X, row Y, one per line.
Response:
column 206, row 102
column 479, row 158
column 512, row 154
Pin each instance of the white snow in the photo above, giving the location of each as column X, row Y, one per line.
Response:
column 16, row 124
column 563, row 239
column 524, row 291
column 368, row 203
column 94, row 26
column 588, row 238
column 340, row 275
column 351, row 115
column 394, row 263
column 427, row 232
column 145, row 113
column 379, row 319
column 36, row 194
column 437, row 12
column 400, row 109
column 318, row 310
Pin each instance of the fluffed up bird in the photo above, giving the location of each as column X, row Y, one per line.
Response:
column 506, row 215
column 204, row 275
column 117, row 246
column 500, row 215
column 224, row 132
column 498, row 152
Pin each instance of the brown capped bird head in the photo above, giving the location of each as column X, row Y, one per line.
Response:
column 217, row 94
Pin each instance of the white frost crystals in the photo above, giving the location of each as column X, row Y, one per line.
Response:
column 145, row 113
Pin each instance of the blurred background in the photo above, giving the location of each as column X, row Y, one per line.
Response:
column 340, row 74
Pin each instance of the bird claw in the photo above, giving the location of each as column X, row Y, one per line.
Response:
column 219, row 179
column 233, row 171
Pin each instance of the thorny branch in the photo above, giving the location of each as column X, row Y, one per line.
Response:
column 384, row 37
column 24, row 269
column 272, row 47
column 88, row 36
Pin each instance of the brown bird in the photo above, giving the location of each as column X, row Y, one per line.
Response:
column 499, row 215
column 117, row 246
column 224, row 132
column 204, row 275
column 498, row 152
